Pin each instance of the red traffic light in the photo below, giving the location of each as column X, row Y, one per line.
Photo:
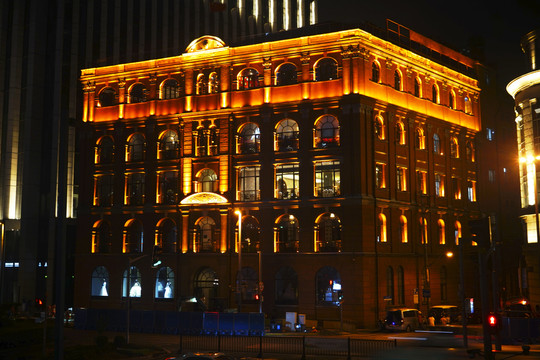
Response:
column 492, row 320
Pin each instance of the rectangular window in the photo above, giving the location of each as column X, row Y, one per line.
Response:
column 167, row 187
column 421, row 181
column 471, row 190
column 134, row 189
column 287, row 181
column 491, row 176
column 401, row 174
column 103, row 191
column 439, row 185
column 249, row 184
column 380, row 176
column 456, row 188
column 327, row 179
column 490, row 134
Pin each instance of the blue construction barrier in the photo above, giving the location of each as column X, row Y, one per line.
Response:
column 171, row 322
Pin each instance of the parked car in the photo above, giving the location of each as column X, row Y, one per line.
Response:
column 519, row 308
column 444, row 315
column 402, row 319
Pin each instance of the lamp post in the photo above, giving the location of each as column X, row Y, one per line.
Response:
column 130, row 262
column 239, row 277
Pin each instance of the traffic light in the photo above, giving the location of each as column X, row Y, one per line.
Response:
column 494, row 322
column 479, row 229
column 156, row 256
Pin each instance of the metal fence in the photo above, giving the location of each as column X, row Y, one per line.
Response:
column 292, row 345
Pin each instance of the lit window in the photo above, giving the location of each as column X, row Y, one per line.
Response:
column 381, row 234
column 400, row 134
column 328, row 286
column 286, row 234
column 397, row 80
column 417, row 87
column 249, row 183
column 451, row 99
column 403, row 229
column 206, row 181
column 470, row 151
column 213, row 83
column 326, row 69
column 169, row 89
column 328, row 233
column 135, row 189
column 441, row 228
column 457, row 232
column 490, row 134
column 206, row 141
column 456, row 188
column 136, row 147
column 375, row 72
column 326, row 132
column 439, row 185
column 380, row 175
column 286, row 135
column 437, row 144
column 454, row 147
column 168, row 187
column 107, row 97
column 423, row 231
column 100, row 282
column 137, row 93
column 202, row 85
column 379, row 128
column 286, row 74
column 287, row 181
column 327, row 179
column 435, row 94
column 468, row 105
column 421, row 181
column 131, row 283
column 471, row 190
column 204, row 235
column 420, row 139
column 248, row 79
column 248, row 139
column 168, row 145
column 401, row 178
column 164, row 283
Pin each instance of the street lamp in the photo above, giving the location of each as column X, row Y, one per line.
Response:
column 130, row 262
column 239, row 277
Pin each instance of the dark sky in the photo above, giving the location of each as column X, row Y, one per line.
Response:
column 498, row 25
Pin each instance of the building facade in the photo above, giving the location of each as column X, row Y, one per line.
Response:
column 525, row 90
column 335, row 171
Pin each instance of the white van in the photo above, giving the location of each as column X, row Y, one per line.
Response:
column 402, row 319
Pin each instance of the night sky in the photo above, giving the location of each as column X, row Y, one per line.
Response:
column 496, row 26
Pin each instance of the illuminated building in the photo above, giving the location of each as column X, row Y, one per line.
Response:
column 352, row 161
column 525, row 90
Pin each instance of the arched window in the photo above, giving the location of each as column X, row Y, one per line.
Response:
column 451, row 99
column 104, row 150
column 205, row 235
column 442, row 232
column 326, row 132
column 439, row 185
column 164, row 283
column 435, row 94
column 400, row 133
column 131, row 283
column 249, row 280
column 286, row 135
column 286, row 234
column 437, row 144
column 454, row 147
column 213, row 83
column 379, row 128
column 444, row 281
column 470, row 151
column 286, row 74
column 136, row 147
column 205, row 287
column 207, row 181
column 420, row 139
column 101, row 237
column 137, row 93
column 248, row 78
column 169, row 89
column 328, row 233
column 423, row 231
column 381, row 225
column 400, row 286
column 417, row 87
column 328, row 285
column 166, row 236
column 100, row 282
column 375, row 72
column 468, row 105
column 107, row 97
column 250, row 234
column 133, row 237
column 457, row 232
column 326, row 69
column 403, row 229
column 168, row 145
column 286, row 286
column 397, row 80
column 390, row 284
column 104, row 190
column 202, row 87
column 249, row 139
